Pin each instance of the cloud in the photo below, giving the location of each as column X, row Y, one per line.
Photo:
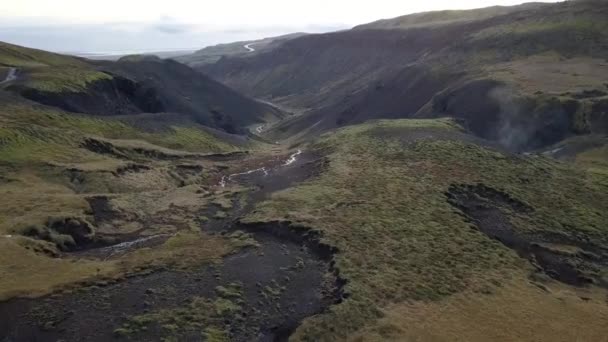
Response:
column 173, row 28
column 162, row 34
column 169, row 25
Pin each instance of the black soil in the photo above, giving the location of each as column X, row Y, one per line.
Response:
column 489, row 210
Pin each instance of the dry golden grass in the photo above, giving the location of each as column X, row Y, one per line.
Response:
column 27, row 199
column 28, row 274
column 518, row 311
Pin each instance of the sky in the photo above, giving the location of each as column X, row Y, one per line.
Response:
column 150, row 25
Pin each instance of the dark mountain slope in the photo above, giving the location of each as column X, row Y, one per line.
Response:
column 429, row 70
column 181, row 90
column 131, row 86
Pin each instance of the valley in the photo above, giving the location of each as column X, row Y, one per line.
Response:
column 440, row 176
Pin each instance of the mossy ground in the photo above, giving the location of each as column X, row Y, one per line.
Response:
column 45, row 173
column 382, row 203
column 518, row 311
column 37, row 134
column 49, row 72
column 63, row 79
column 32, row 267
column 202, row 316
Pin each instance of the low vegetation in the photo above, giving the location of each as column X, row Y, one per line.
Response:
column 50, row 72
column 385, row 194
column 48, row 175
column 202, row 317
column 27, row 272
column 38, row 134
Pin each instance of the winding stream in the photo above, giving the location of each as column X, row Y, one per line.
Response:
column 226, row 179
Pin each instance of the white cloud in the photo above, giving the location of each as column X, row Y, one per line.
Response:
column 221, row 12
column 194, row 22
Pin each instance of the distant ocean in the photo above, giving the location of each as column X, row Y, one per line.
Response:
column 119, row 53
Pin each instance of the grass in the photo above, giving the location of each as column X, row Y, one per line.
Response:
column 576, row 24
column 30, row 200
column 26, row 272
column 37, row 147
column 63, row 79
column 37, row 134
column 567, row 35
column 438, row 18
column 595, row 159
column 518, row 311
column 382, row 203
column 184, row 250
column 202, row 315
column 48, row 71
column 551, row 74
column 13, row 55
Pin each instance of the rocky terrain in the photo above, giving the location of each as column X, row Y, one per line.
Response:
column 447, row 180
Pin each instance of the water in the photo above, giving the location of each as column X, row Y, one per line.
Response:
column 225, row 179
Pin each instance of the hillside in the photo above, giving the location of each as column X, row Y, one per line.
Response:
column 131, row 86
column 437, row 228
column 212, row 54
column 488, row 67
column 181, row 90
column 439, row 18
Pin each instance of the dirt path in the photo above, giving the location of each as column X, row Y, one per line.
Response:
column 283, row 280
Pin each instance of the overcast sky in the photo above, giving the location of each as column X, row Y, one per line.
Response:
column 148, row 25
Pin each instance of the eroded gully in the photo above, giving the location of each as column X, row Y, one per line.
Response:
column 289, row 276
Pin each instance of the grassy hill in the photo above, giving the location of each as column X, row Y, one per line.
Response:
column 437, row 228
